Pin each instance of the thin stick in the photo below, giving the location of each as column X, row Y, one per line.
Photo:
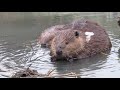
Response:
column 49, row 72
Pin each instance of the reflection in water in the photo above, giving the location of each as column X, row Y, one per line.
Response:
column 79, row 66
column 19, row 47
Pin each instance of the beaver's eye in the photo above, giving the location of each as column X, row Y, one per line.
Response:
column 77, row 34
column 66, row 43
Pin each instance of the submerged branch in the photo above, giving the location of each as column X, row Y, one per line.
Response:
column 28, row 73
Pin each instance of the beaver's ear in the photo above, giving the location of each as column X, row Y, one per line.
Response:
column 76, row 33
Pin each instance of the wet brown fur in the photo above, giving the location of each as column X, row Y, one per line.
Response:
column 62, row 37
column 77, row 47
column 48, row 34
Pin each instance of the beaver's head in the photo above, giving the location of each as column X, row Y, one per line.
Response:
column 48, row 34
column 67, row 44
column 45, row 39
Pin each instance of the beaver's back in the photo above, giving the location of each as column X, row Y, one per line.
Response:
column 99, row 42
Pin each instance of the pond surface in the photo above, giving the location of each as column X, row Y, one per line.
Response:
column 19, row 47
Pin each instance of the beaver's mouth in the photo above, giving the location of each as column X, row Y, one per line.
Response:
column 61, row 58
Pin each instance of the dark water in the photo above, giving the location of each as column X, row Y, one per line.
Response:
column 19, row 47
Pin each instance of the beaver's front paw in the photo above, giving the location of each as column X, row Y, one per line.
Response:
column 53, row 59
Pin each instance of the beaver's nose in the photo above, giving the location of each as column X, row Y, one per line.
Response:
column 59, row 52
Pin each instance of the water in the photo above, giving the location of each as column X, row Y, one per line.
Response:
column 19, row 47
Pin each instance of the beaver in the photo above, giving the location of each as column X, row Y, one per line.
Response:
column 85, row 39
column 48, row 34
